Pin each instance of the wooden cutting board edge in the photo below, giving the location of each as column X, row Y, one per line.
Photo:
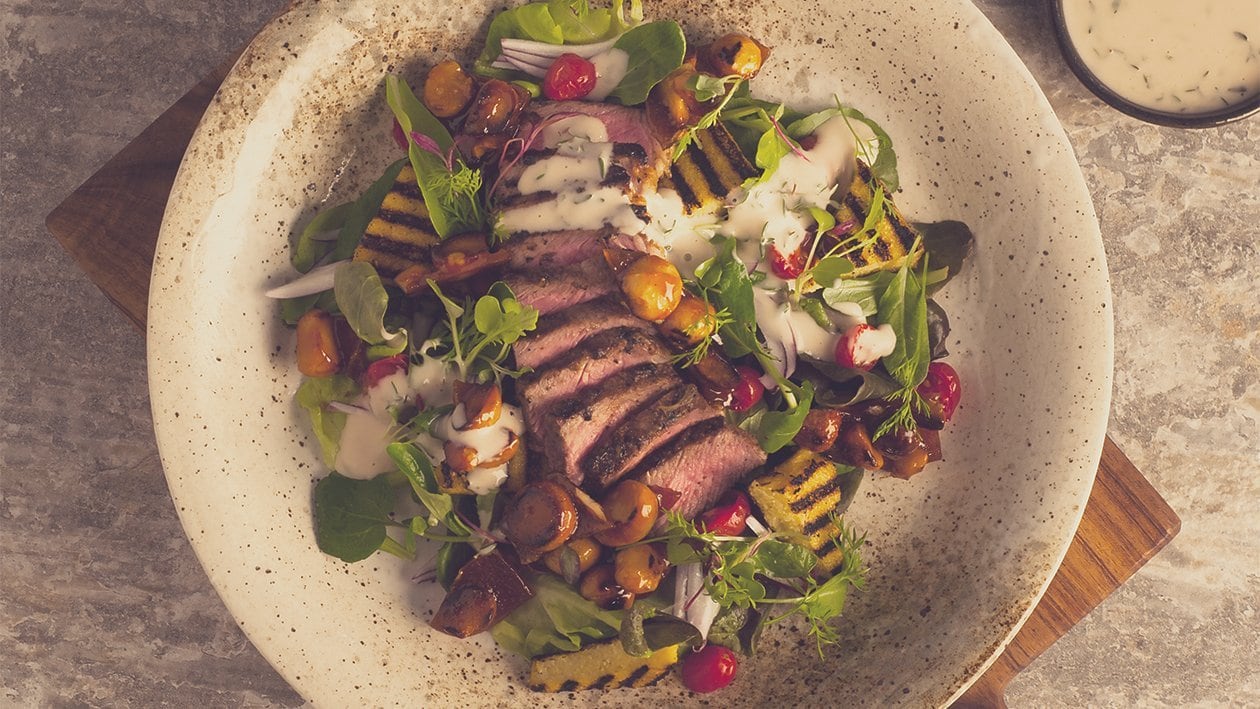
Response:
column 110, row 224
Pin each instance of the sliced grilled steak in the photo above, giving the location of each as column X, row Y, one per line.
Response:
column 594, row 360
column 575, row 424
column 623, row 124
column 647, row 429
column 560, row 332
column 555, row 248
column 700, row 464
column 556, row 288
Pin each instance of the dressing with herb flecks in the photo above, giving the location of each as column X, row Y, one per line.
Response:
column 1170, row 55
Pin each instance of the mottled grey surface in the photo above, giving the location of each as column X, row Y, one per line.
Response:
column 103, row 603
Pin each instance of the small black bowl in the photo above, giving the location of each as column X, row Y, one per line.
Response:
column 1208, row 119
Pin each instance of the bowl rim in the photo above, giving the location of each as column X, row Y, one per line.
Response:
column 1208, row 119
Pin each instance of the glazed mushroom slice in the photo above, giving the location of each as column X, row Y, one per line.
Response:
column 484, row 592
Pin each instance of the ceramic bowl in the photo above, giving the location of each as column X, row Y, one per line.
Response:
column 958, row 556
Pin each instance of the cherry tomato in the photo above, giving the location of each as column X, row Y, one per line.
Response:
column 709, row 669
column 942, row 385
column 382, row 368
column 729, row 517
column 787, row 266
column 569, row 77
column 748, row 391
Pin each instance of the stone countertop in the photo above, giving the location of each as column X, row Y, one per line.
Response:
column 103, row 603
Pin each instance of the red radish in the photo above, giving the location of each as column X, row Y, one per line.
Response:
column 709, row 669
column 943, row 386
column 729, row 517
column 789, row 266
column 748, row 391
column 862, row 346
column 569, row 77
column 382, row 368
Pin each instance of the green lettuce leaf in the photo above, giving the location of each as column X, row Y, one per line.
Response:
column 314, row 395
column 555, row 22
column 655, row 49
column 363, row 301
column 556, row 619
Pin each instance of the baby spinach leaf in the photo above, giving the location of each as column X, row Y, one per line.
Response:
column 365, row 207
column 451, row 189
column 307, row 249
column 415, row 465
column 865, row 292
column 884, row 168
column 655, row 49
column 903, row 306
column 778, row 428
column 351, row 516
column 727, row 284
column 785, row 560
column 314, row 395
column 556, row 619
column 363, row 301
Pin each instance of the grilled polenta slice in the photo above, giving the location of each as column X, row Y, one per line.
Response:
column 894, row 236
column 401, row 234
column 710, row 167
column 602, row 665
column 801, row 497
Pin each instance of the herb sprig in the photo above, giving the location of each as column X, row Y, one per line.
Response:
column 770, row 569
column 707, row 88
column 478, row 337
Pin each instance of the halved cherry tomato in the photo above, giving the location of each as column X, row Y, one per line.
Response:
column 729, row 517
column 709, row 669
column 787, row 266
column 569, row 77
column 748, row 391
column 942, row 385
column 382, row 368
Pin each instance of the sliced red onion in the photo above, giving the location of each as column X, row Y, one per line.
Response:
column 317, row 280
column 511, row 62
column 545, row 49
column 844, row 228
column 692, row 602
column 342, row 407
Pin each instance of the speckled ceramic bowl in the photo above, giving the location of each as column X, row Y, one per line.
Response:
column 958, row 555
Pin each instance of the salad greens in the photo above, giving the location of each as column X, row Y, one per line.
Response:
column 363, row 301
column 903, row 306
column 556, row 619
column 555, row 22
column 314, row 395
column 654, row 49
column 451, row 189
column 770, row 569
column 477, row 338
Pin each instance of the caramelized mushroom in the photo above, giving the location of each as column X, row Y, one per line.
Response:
column 483, row 404
column 497, row 108
column 733, row 54
column 599, row 586
column 503, row 456
column 820, row 429
column 632, row 508
column 485, row 591
column 639, row 569
column 853, row 447
column 539, row 519
column 317, row 352
column 692, row 321
column 574, row 558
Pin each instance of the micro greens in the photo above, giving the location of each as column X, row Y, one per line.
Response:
column 709, row 88
column 745, row 572
column 903, row 306
column 478, row 336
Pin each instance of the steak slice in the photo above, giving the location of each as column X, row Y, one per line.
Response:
column 560, row 332
column 576, row 424
column 553, row 289
column 702, row 463
column 555, row 248
column 647, row 429
column 596, row 359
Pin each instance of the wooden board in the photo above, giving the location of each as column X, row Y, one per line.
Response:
column 110, row 227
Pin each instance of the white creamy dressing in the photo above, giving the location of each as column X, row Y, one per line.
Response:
column 610, row 69
column 776, row 211
column 370, row 427
column 1170, row 55
column 684, row 237
column 573, row 175
column 875, row 344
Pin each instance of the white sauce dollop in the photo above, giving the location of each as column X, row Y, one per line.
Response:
column 610, row 69
column 776, row 211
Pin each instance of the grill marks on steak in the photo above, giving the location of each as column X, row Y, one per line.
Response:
column 551, row 289
column 560, row 332
column 594, row 360
column 556, row 248
column 576, row 424
column 701, row 464
column 647, row 429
